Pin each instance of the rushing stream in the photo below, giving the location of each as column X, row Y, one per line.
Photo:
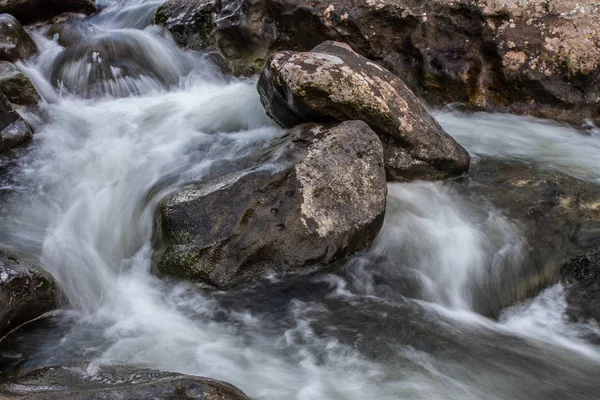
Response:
column 400, row 321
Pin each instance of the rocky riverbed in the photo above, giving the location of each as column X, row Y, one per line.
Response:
column 304, row 199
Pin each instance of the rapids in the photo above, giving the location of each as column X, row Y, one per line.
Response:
column 400, row 321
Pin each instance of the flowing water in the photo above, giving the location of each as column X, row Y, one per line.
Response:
column 117, row 131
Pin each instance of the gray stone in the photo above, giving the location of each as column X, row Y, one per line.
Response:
column 13, row 129
column 320, row 197
column 15, row 43
column 115, row 382
column 333, row 83
column 17, row 86
column 26, row 292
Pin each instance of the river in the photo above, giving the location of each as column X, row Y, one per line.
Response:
column 399, row 321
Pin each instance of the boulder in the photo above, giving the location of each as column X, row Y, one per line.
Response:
column 13, row 129
column 582, row 276
column 28, row 11
column 119, row 63
column 15, row 43
column 535, row 57
column 115, row 382
column 320, row 196
column 333, row 83
column 17, row 86
column 26, row 292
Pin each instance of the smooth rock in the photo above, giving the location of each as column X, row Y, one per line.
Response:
column 13, row 129
column 15, row 43
column 333, row 83
column 26, row 292
column 28, row 11
column 320, row 197
column 115, row 382
column 17, row 86
column 534, row 57
column 119, row 64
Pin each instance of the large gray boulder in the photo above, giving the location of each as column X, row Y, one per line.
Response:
column 115, row 383
column 15, row 43
column 333, row 83
column 13, row 129
column 17, row 86
column 28, row 11
column 320, row 197
column 26, row 292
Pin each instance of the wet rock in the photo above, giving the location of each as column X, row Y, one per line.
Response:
column 26, row 292
column 537, row 57
column 333, row 83
column 13, row 129
column 115, row 382
column 15, row 43
column 554, row 213
column 17, row 86
column 320, row 197
column 28, row 11
column 582, row 275
column 71, row 31
column 118, row 63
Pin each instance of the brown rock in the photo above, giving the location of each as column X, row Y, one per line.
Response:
column 537, row 57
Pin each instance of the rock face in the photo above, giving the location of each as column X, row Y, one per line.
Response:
column 320, row 197
column 26, row 292
column 537, row 57
column 28, row 11
column 17, row 86
column 115, row 383
column 15, row 43
column 582, row 275
column 13, row 129
column 333, row 83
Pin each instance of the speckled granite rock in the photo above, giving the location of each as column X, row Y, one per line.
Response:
column 320, row 196
column 333, row 83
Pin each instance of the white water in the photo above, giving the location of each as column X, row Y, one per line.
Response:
column 574, row 152
column 97, row 169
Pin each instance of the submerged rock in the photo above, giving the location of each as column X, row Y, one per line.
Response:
column 320, row 197
column 333, row 83
column 13, row 129
column 582, row 275
column 26, row 292
column 556, row 216
column 17, row 86
column 15, row 43
column 28, row 11
column 536, row 57
column 119, row 63
column 72, row 30
column 115, row 383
